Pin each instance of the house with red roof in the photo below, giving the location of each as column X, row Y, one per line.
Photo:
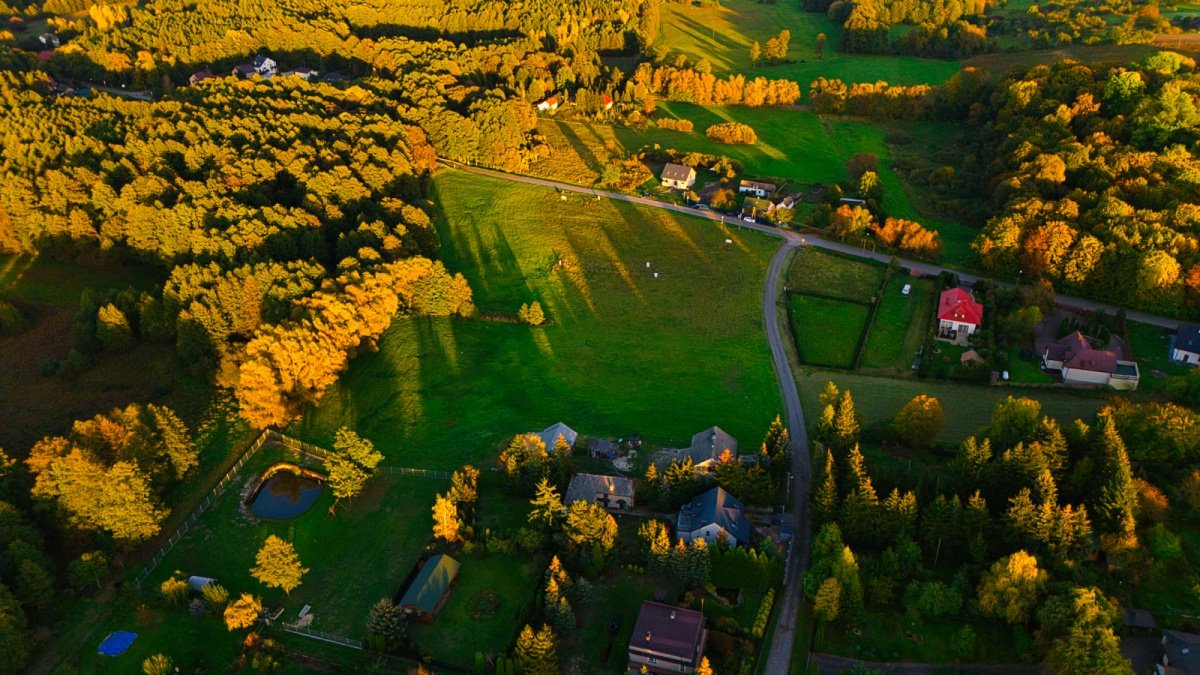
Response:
column 1079, row 363
column 606, row 101
column 548, row 105
column 958, row 314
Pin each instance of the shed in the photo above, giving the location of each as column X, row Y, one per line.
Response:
column 424, row 595
column 197, row 584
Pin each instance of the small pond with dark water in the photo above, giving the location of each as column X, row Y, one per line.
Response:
column 285, row 495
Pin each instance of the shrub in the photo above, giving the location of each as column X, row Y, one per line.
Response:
column 215, row 595
column 159, row 664
column 675, row 124
column 174, row 590
column 764, row 614
column 732, row 132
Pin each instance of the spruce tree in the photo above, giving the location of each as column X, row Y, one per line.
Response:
column 826, row 499
column 1115, row 501
column 547, row 505
column 846, row 426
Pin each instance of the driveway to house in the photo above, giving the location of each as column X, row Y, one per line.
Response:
column 779, row 657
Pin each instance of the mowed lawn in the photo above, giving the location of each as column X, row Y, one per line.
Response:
column 627, row 352
column 900, row 324
column 967, row 407
column 826, row 331
column 723, row 33
column 816, row 271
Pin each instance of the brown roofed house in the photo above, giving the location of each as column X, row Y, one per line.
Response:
column 667, row 639
column 1081, row 364
column 678, row 176
column 611, row 492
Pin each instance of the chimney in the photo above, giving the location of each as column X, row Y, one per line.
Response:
column 647, row 636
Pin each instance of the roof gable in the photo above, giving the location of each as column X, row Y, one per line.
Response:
column 715, row 507
column 550, row 435
column 710, row 443
column 677, row 172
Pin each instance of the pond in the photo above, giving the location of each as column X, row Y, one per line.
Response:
column 285, row 495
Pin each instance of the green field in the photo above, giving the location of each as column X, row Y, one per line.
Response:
column 826, row 331
column 723, row 33
column 1151, row 349
column 793, row 145
column 816, row 271
column 967, row 407
column 900, row 325
column 626, row 353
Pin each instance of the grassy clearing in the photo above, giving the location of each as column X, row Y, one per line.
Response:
column 826, row 331
column 723, row 34
column 624, row 345
column 817, row 271
column 456, row 635
column 1003, row 62
column 901, row 321
column 967, row 407
column 1151, row 347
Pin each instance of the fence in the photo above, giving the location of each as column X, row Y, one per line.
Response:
column 294, row 444
column 324, row 637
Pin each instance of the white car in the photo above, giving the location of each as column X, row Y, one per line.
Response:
column 906, row 290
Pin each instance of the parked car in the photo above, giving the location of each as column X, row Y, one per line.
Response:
column 748, row 219
column 702, row 207
column 906, row 290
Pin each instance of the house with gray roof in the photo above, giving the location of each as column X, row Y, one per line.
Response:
column 713, row 516
column 1186, row 347
column 550, row 435
column 678, row 176
column 1181, row 654
column 611, row 492
column 707, row 447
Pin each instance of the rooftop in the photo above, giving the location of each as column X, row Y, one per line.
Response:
column 956, row 304
column 585, row 486
column 715, row 506
column 431, row 583
column 667, row 630
column 677, row 172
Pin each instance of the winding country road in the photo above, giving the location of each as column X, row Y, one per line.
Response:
column 779, row 656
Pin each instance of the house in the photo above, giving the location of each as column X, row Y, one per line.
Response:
column 958, row 314
column 678, row 176
column 50, row 40
column 548, row 105
column 602, row 448
column 1181, row 654
column 552, row 433
column 264, row 65
column 756, row 188
column 303, row 72
column 667, row 639
column 970, row 358
column 243, row 70
column 754, row 207
column 606, row 101
column 707, row 447
column 1186, row 347
column 200, row 76
column 611, row 492
column 1138, row 619
column 852, row 201
column 428, row 590
column 714, row 515
column 1079, row 363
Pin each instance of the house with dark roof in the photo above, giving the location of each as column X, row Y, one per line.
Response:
column 602, row 448
column 707, row 447
column 1181, row 654
column 958, row 314
column 428, row 591
column 50, row 40
column 264, row 65
column 200, row 76
column 611, row 492
column 667, row 639
column 1081, row 364
column 713, row 516
column 756, row 188
column 1186, row 346
column 678, row 176
column 552, row 433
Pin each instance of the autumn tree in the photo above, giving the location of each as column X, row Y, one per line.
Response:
column 846, row 425
column 827, row 604
column 537, row 652
column 277, row 565
column 1077, row 629
column 113, row 330
column 446, row 525
column 919, row 421
column 547, row 505
column 1012, row 588
column 158, row 664
column 850, row 221
column 777, row 47
column 590, row 531
column 243, row 612
column 532, row 314
column 351, row 465
column 755, row 53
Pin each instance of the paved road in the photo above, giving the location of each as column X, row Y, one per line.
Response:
column 916, row 267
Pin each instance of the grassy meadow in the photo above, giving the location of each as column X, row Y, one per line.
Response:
column 900, row 324
column 827, row 331
column 816, row 271
column 723, row 33
column 626, row 352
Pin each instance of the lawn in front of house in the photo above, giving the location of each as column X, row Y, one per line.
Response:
column 900, row 324
column 627, row 351
column 1151, row 347
column 826, row 331
column 456, row 634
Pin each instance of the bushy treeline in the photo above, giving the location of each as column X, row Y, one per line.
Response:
column 1022, row 521
column 1093, row 180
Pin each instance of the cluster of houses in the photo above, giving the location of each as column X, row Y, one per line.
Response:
column 263, row 66
column 552, row 102
column 760, row 198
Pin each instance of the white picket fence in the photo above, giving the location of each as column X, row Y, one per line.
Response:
column 319, row 635
column 293, row 444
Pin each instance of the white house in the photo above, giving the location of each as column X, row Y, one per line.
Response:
column 549, row 104
column 1186, row 347
column 678, row 176
column 958, row 314
column 756, row 188
column 1079, row 363
column 264, row 65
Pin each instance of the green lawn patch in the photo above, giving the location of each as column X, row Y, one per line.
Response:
column 456, row 634
column 816, row 271
column 967, row 407
column 826, row 331
column 900, row 324
column 1151, row 347
column 623, row 344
